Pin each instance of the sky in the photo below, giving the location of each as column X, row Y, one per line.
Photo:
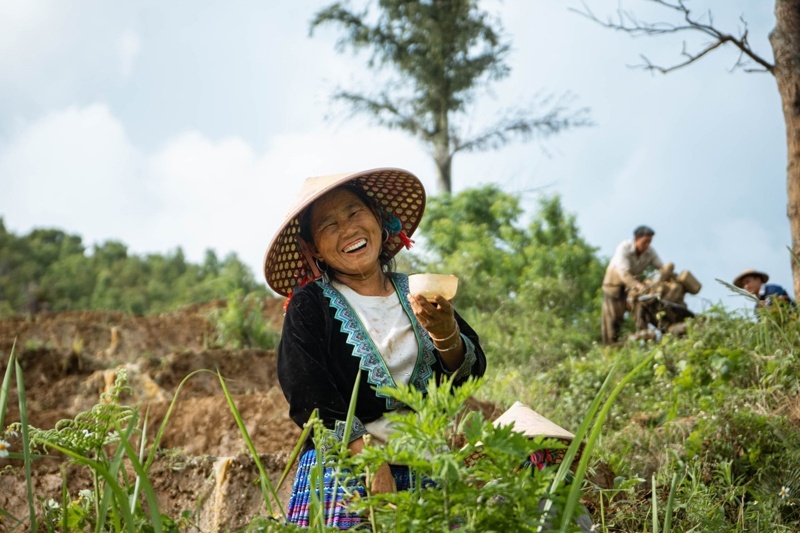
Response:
column 192, row 124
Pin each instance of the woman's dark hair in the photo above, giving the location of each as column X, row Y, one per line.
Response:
column 387, row 262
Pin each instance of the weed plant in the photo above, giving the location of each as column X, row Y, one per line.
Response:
column 476, row 470
column 699, row 433
column 241, row 323
column 714, row 411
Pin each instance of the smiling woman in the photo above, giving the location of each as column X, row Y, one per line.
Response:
column 346, row 235
column 349, row 313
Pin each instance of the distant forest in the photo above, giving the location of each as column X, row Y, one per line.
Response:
column 50, row 270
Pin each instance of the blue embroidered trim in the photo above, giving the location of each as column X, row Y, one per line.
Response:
column 363, row 347
column 358, row 430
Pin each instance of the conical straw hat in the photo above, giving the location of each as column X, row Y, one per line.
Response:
column 395, row 190
column 737, row 281
column 531, row 424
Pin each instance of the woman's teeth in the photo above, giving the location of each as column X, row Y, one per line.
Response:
column 356, row 245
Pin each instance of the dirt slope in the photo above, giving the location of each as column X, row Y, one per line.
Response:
column 69, row 359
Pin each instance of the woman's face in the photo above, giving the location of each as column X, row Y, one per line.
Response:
column 347, row 234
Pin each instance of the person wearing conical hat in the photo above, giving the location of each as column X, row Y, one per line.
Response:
column 349, row 313
column 755, row 282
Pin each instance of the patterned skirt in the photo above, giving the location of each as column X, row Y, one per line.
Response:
column 336, row 495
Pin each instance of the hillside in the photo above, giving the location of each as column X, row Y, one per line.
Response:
column 69, row 359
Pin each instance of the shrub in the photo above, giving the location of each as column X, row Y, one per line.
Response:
column 241, row 323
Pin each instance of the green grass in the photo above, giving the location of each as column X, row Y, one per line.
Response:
column 697, row 431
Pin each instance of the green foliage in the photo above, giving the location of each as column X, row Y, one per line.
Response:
column 99, row 440
column 49, row 269
column 713, row 409
column 534, row 290
column 90, row 431
column 487, row 493
column 758, row 446
column 241, row 323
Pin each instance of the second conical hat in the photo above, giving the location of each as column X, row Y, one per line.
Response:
column 531, row 424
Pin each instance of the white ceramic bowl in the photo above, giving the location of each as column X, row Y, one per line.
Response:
column 431, row 285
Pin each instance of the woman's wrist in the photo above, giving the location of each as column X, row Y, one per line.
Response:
column 449, row 337
column 450, row 342
column 450, row 347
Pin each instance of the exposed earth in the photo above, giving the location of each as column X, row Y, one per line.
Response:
column 204, row 469
column 69, row 359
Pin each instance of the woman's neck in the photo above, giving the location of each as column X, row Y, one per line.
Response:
column 377, row 284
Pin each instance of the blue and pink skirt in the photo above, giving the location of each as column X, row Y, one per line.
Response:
column 338, row 493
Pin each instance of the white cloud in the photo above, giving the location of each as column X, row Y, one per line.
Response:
column 77, row 170
column 73, row 169
column 225, row 196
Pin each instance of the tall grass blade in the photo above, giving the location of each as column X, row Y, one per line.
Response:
column 108, row 475
column 6, row 388
column 147, row 487
column 351, row 410
column 344, row 446
column 583, row 465
column 670, row 503
column 160, row 433
column 574, row 447
column 737, row 290
column 142, row 442
column 654, row 503
column 6, row 516
column 121, row 504
column 26, row 448
column 316, row 504
column 64, row 497
column 266, row 485
column 299, row 446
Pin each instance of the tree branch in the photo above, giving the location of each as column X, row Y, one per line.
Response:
column 627, row 22
column 383, row 111
column 522, row 124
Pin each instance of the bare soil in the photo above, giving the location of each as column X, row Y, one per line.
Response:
column 204, row 467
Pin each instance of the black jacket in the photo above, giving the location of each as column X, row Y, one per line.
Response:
column 323, row 347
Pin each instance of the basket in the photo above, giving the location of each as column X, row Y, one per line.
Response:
column 689, row 282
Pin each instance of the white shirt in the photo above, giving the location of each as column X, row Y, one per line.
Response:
column 626, row 264
column 390, row 329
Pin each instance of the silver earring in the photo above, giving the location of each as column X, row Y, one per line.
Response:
column 324, row 272
column 385, row 234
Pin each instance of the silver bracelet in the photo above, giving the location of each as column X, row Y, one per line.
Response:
column 455, row 332
column 451, row 347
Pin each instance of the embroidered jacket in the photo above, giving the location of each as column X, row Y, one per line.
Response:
column 324, row 346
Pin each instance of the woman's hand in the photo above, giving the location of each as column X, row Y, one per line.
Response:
column 437, row 317
column 383, row 480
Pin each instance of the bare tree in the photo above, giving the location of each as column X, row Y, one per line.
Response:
column 439, row 52
column 785, row 67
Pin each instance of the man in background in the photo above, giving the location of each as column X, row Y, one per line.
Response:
column 631, row 258
column 755, row 282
